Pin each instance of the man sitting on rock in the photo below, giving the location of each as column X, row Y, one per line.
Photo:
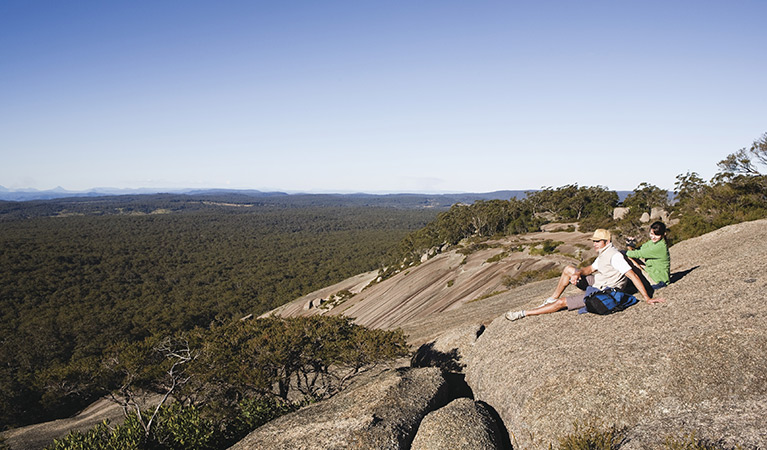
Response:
column 610, row 270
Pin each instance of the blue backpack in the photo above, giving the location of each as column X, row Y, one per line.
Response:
column 608, row 301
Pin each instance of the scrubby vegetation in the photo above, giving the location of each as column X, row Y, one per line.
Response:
column 218, row 384
column 547, row 247
column 706, row 206
column 498, row 257
column 529, row 276
column 736, row 194
column 593, row 435
column 485, row 219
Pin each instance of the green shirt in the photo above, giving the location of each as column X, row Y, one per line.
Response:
column 656, row 258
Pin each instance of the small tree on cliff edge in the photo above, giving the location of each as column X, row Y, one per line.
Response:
column 746, row 160
column 736, row 194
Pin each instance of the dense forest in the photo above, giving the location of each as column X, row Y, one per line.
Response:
column 223, row 199
column 73, row 284
column 94, row 290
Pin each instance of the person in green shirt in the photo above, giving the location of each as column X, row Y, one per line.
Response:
column 653, row 257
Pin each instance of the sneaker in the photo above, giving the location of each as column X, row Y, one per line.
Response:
column 514, row 315
column 548, row 301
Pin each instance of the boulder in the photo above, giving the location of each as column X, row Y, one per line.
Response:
column 554, row 227
column 695, row 364
column 620, row 213
column 659, row 214
column 462, row 424
column 381, row 411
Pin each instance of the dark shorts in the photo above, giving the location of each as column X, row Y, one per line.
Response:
column 584, row 282
column 576, row 301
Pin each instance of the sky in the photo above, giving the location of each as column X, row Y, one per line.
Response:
column 376, row 96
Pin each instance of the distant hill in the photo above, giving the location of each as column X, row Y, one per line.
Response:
column 25, row 195
column 12, row 207
column 20, row 195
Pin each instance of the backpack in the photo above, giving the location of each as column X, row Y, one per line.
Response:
column 608, row 301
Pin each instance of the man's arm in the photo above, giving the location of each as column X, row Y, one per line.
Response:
column 640, row 287
column 588, row 270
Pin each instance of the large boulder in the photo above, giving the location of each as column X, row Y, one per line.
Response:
column 696, row 363
column 462, row 424
column 620, row 213
column 382, row 411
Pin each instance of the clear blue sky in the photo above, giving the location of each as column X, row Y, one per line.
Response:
column 376, row 96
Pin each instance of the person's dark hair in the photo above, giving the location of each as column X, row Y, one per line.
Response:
column 659, row 229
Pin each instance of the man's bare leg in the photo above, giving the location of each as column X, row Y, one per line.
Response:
column 552, row 304
column 564, row 281
column 558, row 305
column 546, row 308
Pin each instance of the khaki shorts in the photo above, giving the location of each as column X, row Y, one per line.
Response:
column 575, row 301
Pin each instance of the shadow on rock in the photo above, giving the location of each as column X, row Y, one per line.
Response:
column 676, row 276
column 428, row 356
column 449, row 363
column 503, row 433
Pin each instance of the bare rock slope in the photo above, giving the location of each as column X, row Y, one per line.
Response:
column 693, row 364
column 445, row 281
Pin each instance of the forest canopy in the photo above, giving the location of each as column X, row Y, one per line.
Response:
column 72, row 285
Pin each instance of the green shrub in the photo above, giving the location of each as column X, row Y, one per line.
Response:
column 304, row 354
column 590, row 224
column 492, row 294
column 497, row 257
column 188, row 428
column 529, row 276
column 547, row 248
column 474, row 247
column 257, row 411
column 727, row 199
column 592, row 435
column 128, row 436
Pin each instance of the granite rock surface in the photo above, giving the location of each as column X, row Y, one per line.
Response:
column 696, row 363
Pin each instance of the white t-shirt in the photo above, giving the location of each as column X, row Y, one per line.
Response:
column 617, row 261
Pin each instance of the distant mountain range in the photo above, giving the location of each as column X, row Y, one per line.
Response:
column 21, row 195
